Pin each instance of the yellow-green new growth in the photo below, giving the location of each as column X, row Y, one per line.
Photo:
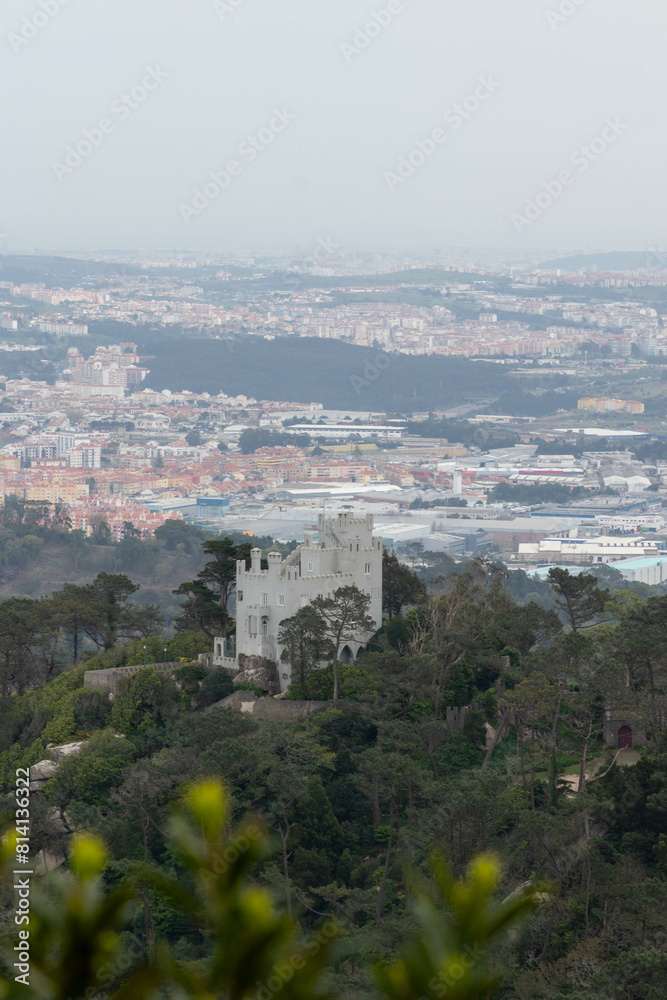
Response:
column 74, row 928
column 460, row 923
column 75, row 925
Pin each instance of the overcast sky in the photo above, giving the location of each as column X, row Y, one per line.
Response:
column 348, row 113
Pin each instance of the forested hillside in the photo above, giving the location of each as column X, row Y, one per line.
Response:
column 38, row 552
column 473, row 724
column 304, row 369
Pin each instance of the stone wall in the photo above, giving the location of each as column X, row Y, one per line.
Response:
column 273, row 708
column 212, row 662
column 106, row 680
column 249, row 703
column 457, row 718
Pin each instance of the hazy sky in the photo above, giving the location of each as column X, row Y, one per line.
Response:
column 221, row 71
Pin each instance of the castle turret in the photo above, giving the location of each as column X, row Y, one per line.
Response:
column 346, row 555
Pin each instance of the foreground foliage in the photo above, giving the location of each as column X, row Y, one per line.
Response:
column 74, row 936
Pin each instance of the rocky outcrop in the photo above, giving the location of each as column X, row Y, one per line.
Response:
column 40, row 774
column 60, row 822
column 491, row 734
column 65, row 750
column 45, row 769
column 48, row 861
column 261, row 672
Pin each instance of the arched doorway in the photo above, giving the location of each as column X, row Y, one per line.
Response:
column 625, row 738
column 346, row 655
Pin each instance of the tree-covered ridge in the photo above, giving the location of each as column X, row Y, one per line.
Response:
column 473, row 723
column 304, row 369
column 38, row 550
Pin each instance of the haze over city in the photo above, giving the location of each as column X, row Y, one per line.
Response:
column 357, row 107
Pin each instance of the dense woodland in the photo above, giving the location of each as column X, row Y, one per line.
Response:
column 304, row 369
column 354, row 799
column 38, row 550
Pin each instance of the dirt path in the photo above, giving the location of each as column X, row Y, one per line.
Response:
column 625, row 758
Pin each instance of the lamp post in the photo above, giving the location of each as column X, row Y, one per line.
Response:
column 144, row 656
column 165, row 657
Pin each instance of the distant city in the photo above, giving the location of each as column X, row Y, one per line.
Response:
column 81, row 428
column 508, row 317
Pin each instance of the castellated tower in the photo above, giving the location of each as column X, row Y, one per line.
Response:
column 345, row 554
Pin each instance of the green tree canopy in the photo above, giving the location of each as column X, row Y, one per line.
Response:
column 400, row 586
column 579, row 596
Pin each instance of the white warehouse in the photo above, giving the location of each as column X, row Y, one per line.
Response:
column 603, row 549
column 346, row 554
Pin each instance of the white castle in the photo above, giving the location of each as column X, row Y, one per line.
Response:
column 346, row 554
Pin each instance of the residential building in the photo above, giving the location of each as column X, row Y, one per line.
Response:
column 605, row 404
column 64, row 329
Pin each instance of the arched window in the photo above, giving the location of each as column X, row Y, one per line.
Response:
column 219, row 648
column 265, row 626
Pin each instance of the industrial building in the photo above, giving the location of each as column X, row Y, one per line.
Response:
column 603, row 549
column 650, row 570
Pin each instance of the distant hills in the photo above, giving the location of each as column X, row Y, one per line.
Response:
column 57, row 271
column 304, row 369
column 63, row 272
column 295, row 281
column 618, row 260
